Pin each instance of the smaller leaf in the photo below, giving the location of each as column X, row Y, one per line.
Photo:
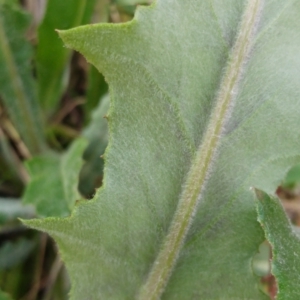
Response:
column 285, row 245
column 292, row 179
column 52, row 61
column 54, row 179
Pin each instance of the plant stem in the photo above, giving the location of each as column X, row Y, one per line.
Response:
column 13, row 134
column 32, row 295
column 15, row 160
column 54, row 272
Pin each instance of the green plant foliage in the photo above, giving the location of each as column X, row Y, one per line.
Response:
column 4, row 296
column 97, row 88
column 292, row 179
column 8, row 166
column 97, row 134
column 52, row 57
column 13, row 253
column 18, row 91
column 54, row 180
column 197, row 117
column 285, row 245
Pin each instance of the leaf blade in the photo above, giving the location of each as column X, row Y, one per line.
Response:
column 54, row 179
column 52, row 61
column 145, row 179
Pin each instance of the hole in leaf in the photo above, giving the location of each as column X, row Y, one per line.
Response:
column 289, row 194
column 261, row 261
column 261, row 266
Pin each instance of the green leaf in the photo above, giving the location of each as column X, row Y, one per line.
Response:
column 17, row 88
column 97, row 134
column 285, row 245
column 203, row 94
column 54, row 179
column 4, row 296
column 52, row 56
column 292, row 179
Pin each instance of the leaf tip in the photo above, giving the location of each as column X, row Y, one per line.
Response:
column 260, row 195
column 64, row 35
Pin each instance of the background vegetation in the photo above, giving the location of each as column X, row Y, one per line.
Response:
column 49, row 97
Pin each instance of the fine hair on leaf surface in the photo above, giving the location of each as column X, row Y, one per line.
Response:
column 197, row 117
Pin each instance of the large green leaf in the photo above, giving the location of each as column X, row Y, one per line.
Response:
column 17, row 88
column 204, row 105
column 54, row 180
column 52, row 57
column 285, row 245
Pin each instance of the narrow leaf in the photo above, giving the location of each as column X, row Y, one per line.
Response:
column 285, row 245
column 52, row 56
column 54, row 180
column 197, row 117
column 17, row 88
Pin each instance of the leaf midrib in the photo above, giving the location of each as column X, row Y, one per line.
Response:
column 200, row 169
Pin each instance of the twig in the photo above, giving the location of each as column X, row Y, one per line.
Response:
column 65, row 110
column 32, row 294
column 21, row 171
column 65, row 130
column 54, row 272
column 114, row 14
column 13, row 134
